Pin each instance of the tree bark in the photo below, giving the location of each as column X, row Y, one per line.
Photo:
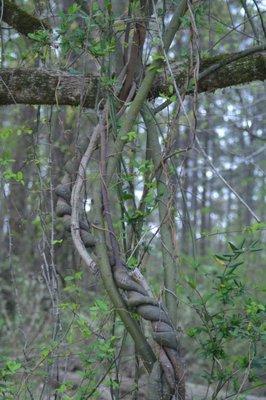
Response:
column 20, row 20
column 39, row 86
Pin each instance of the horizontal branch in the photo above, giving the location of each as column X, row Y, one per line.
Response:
column 39, row 86
column 19, row 19
column 239, row 71
column 225, row 70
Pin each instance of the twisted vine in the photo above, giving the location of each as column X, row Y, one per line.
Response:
column 137, row 297
column 63, row 192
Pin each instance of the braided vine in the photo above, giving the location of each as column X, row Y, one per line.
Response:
column 63, row 192
column 137, row 297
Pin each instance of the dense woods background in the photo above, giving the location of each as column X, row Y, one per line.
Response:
column 61, row 336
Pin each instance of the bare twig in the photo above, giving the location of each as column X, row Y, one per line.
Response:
column 205, row 155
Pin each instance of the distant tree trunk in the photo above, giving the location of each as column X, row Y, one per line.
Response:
column 230, row 197
column 204, row 219
column 194, row 190
column 184, row 244
column 249, row 187
column 18, row 234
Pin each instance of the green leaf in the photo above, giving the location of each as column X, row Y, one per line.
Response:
column 233, row 247
column 127, row 196
column 192, row 283
column 13, row 366
column 192, row 332
column 57, row 241
column 222, row 258
column 236, row 264
column 42, row 36
column 157, row 56
column 129, row 136
column 73, row 9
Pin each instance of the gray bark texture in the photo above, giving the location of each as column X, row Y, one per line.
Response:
column 39, row 86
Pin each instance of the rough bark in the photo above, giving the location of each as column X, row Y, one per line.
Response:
column 20, row 20
column 230, row 73
column 38, row 86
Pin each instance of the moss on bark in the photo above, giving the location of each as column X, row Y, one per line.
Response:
column 20, row 20
column 241, row 71
column 39, row 86
column 230, row 72
column 34, row 86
